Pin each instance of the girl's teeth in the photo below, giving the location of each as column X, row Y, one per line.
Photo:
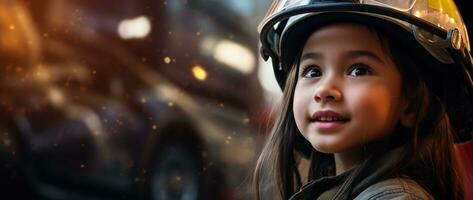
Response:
column 329, row 118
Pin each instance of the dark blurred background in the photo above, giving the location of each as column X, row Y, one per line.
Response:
column 132, row 99
column 129, row 99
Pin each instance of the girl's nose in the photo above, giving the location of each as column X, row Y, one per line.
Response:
column 327, row 93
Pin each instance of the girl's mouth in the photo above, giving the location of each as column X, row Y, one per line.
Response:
column 328, row 120
column 329, row 125
column 328, row 116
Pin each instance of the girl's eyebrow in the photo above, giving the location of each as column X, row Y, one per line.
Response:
column 364, row 53
column 311, row 55
column 351, row 54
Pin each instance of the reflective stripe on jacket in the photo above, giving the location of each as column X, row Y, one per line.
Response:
column 395, row 188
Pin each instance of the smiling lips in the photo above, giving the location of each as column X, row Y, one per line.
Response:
column 328, row 120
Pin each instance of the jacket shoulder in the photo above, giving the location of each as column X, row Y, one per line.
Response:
column 395, row 189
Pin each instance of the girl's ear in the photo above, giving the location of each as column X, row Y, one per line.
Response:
column 408, row 116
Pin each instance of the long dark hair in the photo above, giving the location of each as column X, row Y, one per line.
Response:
column 428, row 155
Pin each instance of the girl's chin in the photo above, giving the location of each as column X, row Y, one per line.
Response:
column 324, row 144
column 325, row 149
column 329, row 147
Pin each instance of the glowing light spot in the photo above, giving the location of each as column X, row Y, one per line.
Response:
column 167, row 60
column 12, row 27
column 134, row 28
column 143, row 100
column 230, row 53
column 154, row 127
column 246, row 120
column 178, row 178
column 82, row 166
column 170, row 104
column 452, row 20
column 42, row 75
column 417, row 13
column 6, row 142
column 199, row 73
column 56, row 96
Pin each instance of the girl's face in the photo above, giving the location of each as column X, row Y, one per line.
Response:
column 348, row 91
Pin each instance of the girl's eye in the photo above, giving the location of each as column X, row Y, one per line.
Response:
column 311, row 72
column 360, row 70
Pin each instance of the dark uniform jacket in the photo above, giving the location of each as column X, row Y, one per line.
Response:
column 372, row 187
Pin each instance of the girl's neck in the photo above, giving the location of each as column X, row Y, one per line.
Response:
column 346, row 160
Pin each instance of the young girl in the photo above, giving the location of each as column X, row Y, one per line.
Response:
column 375, row 93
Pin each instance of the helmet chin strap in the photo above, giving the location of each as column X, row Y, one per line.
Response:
column 458, row 49
column 463, row 61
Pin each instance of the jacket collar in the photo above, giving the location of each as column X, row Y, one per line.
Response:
column 376, row 172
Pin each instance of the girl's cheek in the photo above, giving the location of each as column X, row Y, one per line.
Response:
column 298, row 107
column 369, row 100
column 301, row 104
